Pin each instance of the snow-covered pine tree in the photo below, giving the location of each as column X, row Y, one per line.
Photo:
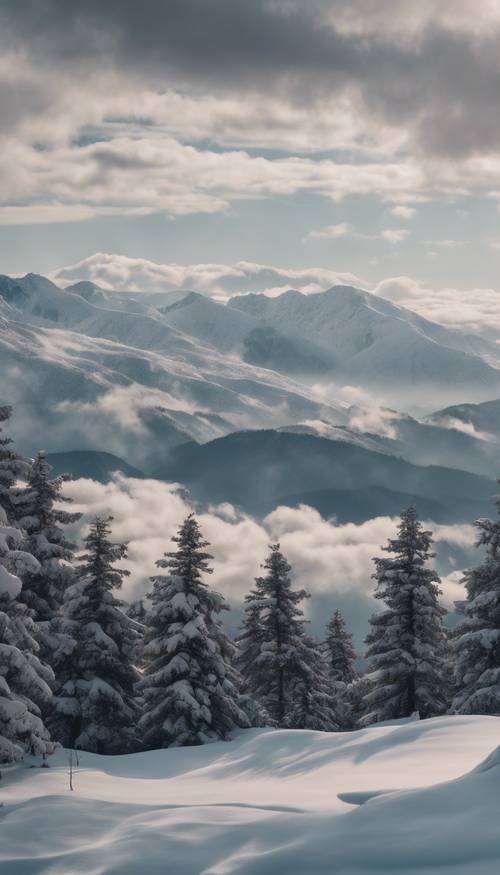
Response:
column 248, row 648
column 339, row 651
column 95, row 708
column 312, row 703
column 190, row 691
column 24, row 679
column 358, row 692
column 341, row 665
column 43, row 521
column 13, row 467
column 406, row 641
column 137, row 612
column 282, row 668
column 477, row 638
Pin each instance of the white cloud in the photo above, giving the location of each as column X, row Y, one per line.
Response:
column 391, row 235
column 120, row 272
column 465, row 427
column 329, row 560
column 476, row 310
column 395, row 235
column 333, row 231
column 403, row 212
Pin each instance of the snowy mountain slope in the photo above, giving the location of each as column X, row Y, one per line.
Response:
column 374, row 340
column 481, row 420
column 137, row 403
column 147, row 323
column 41, row 302
column 271, row 802
column 230, row 330
column 343, row 334
column 132, row 302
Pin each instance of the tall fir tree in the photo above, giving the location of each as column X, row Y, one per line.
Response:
column 339, row 651
column 282, row 668
column 190, row 691
column 24, row 679
column 43, row 520
column 312, row 701
column 13, row 467
column 477, row 639
column 406, row 643
column 95, row 708
column 341, row 658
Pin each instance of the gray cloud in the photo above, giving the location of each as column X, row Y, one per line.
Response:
column 435, row 73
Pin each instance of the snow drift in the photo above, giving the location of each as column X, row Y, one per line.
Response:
column 268, row 803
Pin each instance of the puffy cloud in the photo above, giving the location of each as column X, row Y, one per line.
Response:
column 395, row 235
column 404, row 65
column 333, row 231
column 333, row 562
column 476, row 310
column 403, row 212
column 135, row 131
column 120, row 272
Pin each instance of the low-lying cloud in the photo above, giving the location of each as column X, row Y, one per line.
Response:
column 476, row 310
column 333, row 562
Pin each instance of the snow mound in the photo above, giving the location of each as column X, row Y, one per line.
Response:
column 268, row 804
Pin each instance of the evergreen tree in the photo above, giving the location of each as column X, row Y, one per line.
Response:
column 24, row 679
column 13, row 467
column 339, row 651
column 283, row 670
column 95, row 708
column 190, row 692
column 477, row 638
column 358, row 691
column 312, row 703
column 43, row 591
column 341, row 658
column 406, row 642
column 137, row 612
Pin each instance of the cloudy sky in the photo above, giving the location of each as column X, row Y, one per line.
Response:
column 358, row 139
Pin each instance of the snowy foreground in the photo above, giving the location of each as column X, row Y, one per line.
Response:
column 277, row 802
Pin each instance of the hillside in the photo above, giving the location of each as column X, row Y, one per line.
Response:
column 93, row 465
column 257, row 469
column 419, row 797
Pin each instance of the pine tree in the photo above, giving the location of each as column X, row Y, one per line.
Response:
column 406, row 642
column 24, row 679
column 190, row 691
column 477, row 638
column 43, row 591
column 283, row 670
column 341, row 658
column 313, row 704
column 339, row 650
column 13, row 467
column 95, row 708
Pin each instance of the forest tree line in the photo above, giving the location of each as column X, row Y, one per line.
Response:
column 81, row 667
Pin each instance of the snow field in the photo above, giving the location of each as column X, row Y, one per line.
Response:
column 267, row 803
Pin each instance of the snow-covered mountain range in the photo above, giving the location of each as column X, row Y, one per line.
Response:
column 139, row 374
